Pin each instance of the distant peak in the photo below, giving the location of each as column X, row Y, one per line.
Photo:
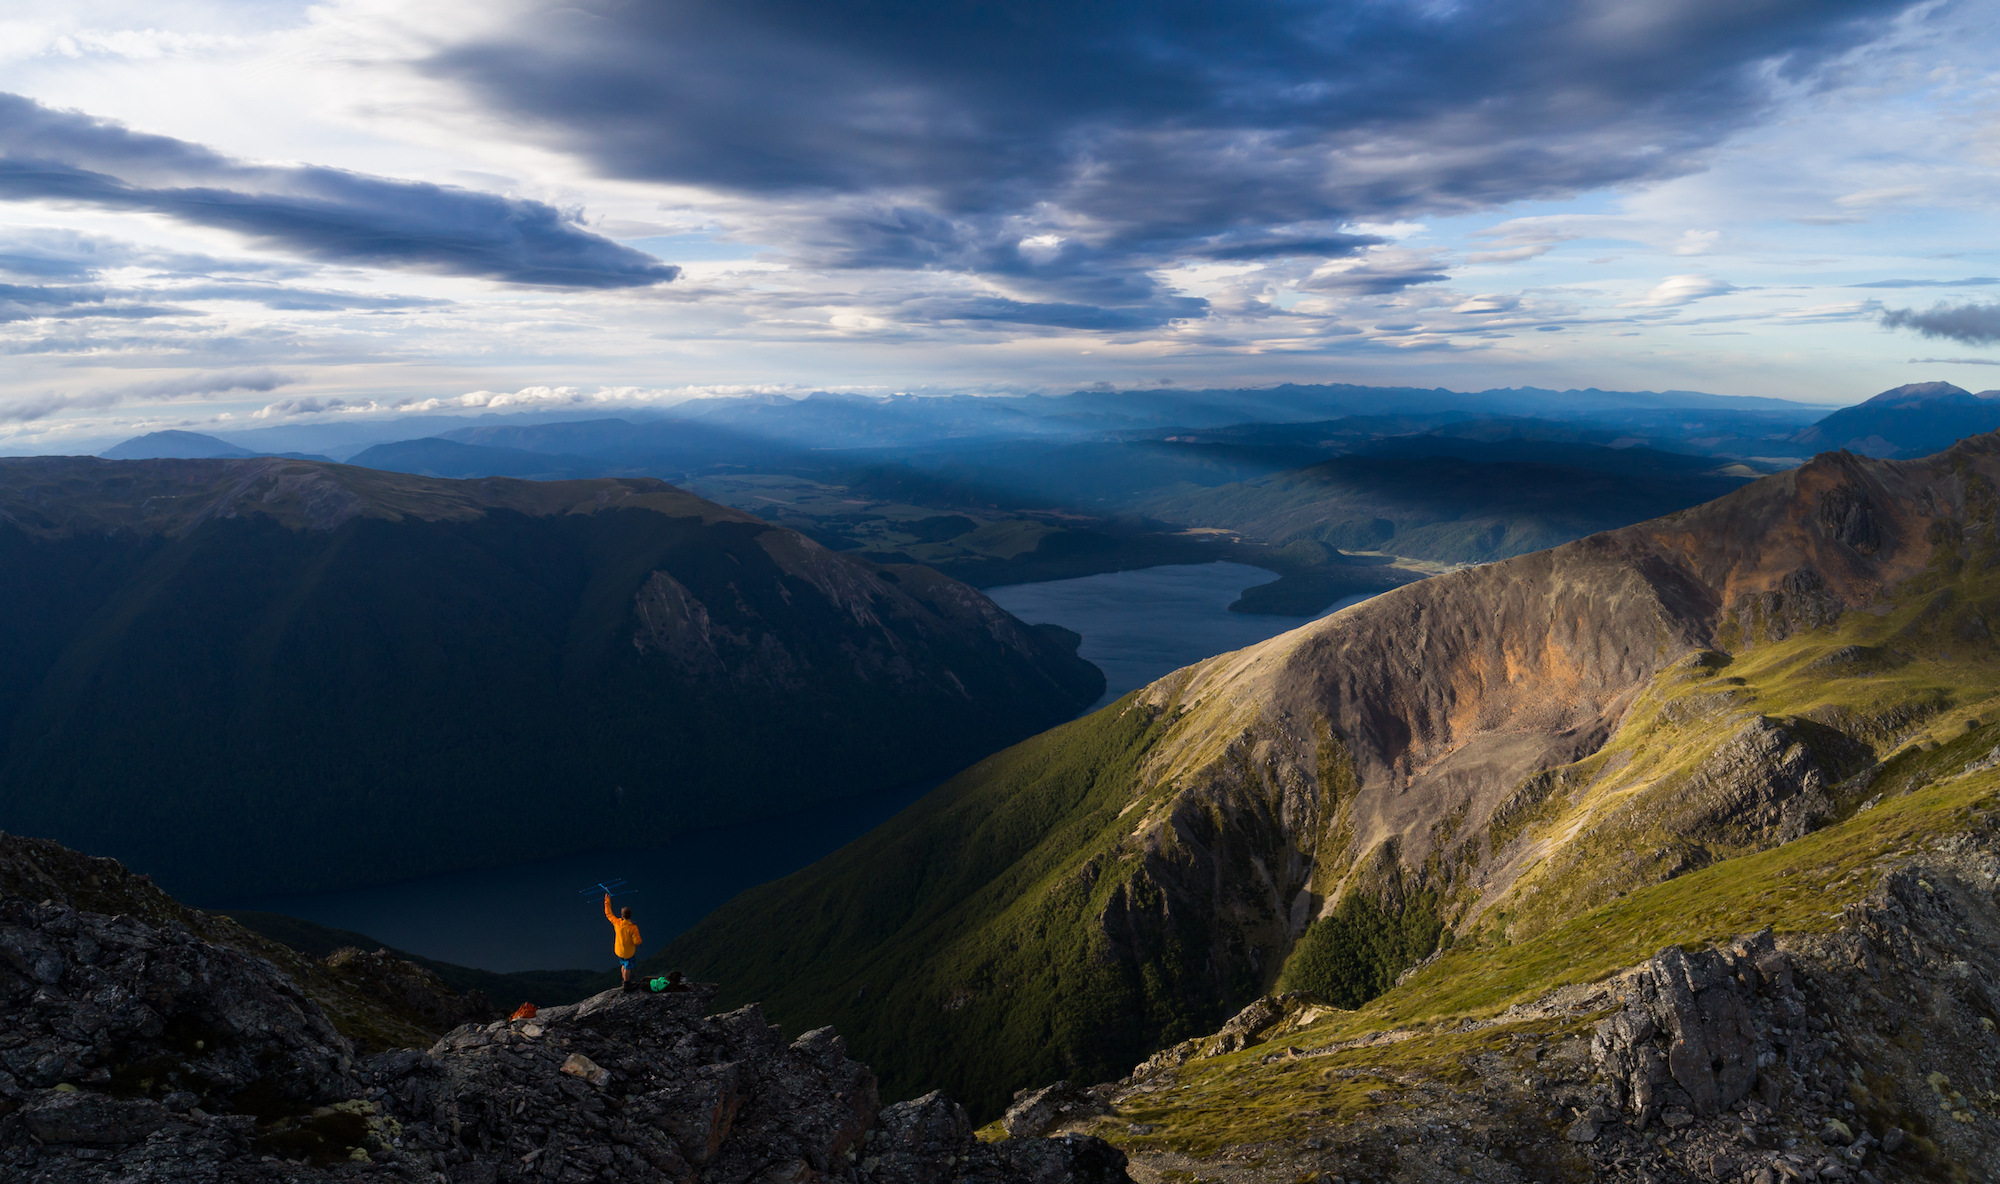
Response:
column 175, row 444
column 1919, row 391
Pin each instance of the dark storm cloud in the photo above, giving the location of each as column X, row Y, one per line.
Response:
column 1974, row 324
column 1234, row 247
column 1140, row 133
column 320, row 213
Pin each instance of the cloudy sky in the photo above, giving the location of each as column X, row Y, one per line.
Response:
column 218, row 214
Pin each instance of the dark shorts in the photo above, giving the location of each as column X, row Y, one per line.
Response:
column 627, row 962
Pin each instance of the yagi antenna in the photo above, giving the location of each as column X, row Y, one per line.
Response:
column 608, row 888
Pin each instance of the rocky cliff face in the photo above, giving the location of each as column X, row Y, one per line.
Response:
column 135, row 1049
column 322, row 669
column 1409, row 742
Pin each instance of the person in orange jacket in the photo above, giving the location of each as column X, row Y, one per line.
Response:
column 625, row 938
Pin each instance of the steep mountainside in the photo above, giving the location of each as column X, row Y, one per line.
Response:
column 1915, row 419
column 1455, row 500
column 1492, row 753
column 270, row 675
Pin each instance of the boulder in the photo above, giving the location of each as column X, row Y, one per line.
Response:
column 1685, row 1037
column 1034, row 1111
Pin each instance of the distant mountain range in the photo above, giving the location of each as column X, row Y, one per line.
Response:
column 1108, row 480
column 774, row 432
column 436, row 457
column 271, row 675
column 756, row 429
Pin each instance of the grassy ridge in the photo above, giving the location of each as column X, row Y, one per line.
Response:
column 970, row 922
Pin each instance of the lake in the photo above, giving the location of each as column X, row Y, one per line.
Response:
column 1136, row 626
column 1141, row 625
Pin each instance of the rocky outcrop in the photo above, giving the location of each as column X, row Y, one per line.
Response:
column 137, row 1050
column 1764, row 785
column 1036, row 1111
column 375, row 1001
column 1685, row 1040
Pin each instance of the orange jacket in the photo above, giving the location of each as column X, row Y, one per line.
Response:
column 627, row 939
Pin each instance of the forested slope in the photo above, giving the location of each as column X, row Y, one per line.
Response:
column 262, row 675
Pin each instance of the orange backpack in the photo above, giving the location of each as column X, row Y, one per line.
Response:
column 524, row 1012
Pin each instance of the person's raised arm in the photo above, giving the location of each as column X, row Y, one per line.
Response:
column 607, row 909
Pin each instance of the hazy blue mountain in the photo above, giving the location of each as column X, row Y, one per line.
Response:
column 188, row 446
column 434, row 457
column 1455, row 500
column 656, row 447
column 1915, row 419
column 1568, row 454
